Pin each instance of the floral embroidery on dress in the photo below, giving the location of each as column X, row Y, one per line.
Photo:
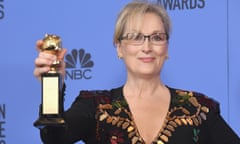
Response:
column 117, row 137
column 185, row 110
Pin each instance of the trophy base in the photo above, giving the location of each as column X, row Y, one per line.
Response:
column 49, row 121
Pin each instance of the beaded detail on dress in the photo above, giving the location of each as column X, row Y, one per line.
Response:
column 186, row 109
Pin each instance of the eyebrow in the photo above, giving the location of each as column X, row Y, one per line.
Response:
column 155, row 31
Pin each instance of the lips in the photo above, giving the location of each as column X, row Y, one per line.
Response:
column 147, row 59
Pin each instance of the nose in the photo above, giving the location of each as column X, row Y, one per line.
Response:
column 146, row 47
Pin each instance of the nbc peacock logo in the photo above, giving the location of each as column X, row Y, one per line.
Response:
column 78, row 65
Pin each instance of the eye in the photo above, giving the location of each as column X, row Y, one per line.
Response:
column 137, row 36
column 158, row 37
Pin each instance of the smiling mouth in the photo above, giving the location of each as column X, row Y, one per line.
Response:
column 147, row 59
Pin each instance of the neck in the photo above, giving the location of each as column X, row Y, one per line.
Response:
column 143, row 87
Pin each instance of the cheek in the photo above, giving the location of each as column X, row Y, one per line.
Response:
column 128, row 50
column 163, row 51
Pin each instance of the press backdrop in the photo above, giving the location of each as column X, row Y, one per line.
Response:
column 204, row 54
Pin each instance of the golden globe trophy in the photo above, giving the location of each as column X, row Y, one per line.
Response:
column 51, row 108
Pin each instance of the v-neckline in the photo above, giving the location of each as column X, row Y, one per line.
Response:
column 155, row 139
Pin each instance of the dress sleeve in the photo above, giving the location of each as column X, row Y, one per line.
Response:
column 217, row 129
column 80, row 123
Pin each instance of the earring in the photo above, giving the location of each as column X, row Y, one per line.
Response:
column 166, row 57
column 119, row 57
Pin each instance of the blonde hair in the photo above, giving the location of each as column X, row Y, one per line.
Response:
column 134, row 11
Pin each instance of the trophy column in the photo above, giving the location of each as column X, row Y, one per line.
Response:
column 51, row 108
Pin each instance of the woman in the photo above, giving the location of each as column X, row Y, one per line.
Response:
column 143, row 110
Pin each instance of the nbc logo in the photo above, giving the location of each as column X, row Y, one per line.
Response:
column 78, row 65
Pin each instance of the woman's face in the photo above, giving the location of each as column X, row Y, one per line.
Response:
column 147, row 59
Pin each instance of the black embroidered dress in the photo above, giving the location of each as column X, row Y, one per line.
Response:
column 104, row 117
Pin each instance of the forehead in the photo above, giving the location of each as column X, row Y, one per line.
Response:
column 145, row 23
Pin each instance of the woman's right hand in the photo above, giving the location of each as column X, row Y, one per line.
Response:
column 45, row 60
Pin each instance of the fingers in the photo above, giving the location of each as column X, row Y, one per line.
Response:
column 40, row 70
column 39, row 44
column 45, row 60
column 43, row 63
column 62, row 69
column 61, row 54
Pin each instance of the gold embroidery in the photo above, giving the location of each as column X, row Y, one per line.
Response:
column 164, row 138
column 125, row 125
column 118, row 111
column 103, row 116
column 131, row 134
column 205, row 109
column 130, row 128
column 160, row 142
column 186, row 117
column 171, row 128
column 119, row 123
column 172, row 123
column 134, row 140
column 194, row 101
column 185, row 111
column 189, row 120
column 178, row 122
column 167, row 132
column 115, row 120
column 184, row 121
column 195, row 121
column 109, row 119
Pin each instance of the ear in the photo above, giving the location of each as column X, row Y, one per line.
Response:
column 119, row 50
